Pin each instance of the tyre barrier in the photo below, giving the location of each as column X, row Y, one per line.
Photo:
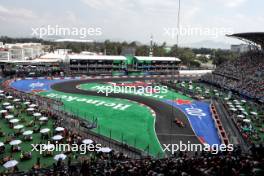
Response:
column 218, row 124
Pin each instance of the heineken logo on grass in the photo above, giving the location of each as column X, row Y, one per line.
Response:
column 68, row 98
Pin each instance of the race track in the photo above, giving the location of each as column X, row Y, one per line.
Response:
column 167, row 131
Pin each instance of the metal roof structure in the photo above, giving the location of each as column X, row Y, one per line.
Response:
column 146, row 58
column 53, row 56
column 95, row 57
column 251, row 37
column 32, row 61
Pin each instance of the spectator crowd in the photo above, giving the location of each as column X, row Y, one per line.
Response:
column 244, row 75
column 204, row 164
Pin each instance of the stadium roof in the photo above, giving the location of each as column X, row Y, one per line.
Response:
column 95, row 57
column 146, row 58
column 74, row 40
column 255, row 37
column 53, row 56
column 32, row 61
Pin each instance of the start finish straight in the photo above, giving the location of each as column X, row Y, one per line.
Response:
column 116, row 106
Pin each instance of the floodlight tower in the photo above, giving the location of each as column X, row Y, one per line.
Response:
column 151, row 46
column 176, row 75
column 178, row 21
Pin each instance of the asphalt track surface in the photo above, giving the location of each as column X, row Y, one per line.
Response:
column 167, row 131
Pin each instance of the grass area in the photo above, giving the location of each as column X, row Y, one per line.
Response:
column 133, row 125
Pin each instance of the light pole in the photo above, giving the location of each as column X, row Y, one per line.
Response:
column 178, row 21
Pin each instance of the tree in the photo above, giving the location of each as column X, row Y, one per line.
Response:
column 142, row 50
column 185, row 54
column 203, row 59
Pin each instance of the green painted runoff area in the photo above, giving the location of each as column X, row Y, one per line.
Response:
column 119, row 119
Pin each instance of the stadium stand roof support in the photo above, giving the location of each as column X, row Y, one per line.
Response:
column 96, row 57
column 251, row 37
column 146, row 58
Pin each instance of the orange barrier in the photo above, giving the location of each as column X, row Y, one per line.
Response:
column 218, row 124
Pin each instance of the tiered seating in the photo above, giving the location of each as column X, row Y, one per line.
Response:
column 244, row 75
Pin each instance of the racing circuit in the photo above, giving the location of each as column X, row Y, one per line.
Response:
column 167, row 132
column 196, row 130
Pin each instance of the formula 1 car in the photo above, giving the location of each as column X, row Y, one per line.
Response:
column 179, row 123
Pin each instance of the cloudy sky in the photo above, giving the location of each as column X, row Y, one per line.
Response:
column 135, row 19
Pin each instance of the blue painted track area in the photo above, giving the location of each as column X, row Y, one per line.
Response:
column 200, row 118
column 35, row 85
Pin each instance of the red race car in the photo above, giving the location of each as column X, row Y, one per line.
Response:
column 179, row 122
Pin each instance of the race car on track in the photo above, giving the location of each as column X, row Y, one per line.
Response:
column 178, row 122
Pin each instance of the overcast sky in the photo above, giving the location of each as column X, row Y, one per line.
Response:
column 135, row 19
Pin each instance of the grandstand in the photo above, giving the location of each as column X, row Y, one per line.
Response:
column 19, row 56
column 244, row 74
column 155, row 65
column 103, row 64
column 86, row 63
column 95, row 64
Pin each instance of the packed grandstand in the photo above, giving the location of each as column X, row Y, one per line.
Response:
column 243, row 75
column 74, row 101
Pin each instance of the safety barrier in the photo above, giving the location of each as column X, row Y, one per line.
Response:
column 218, row 124
column 107, row 77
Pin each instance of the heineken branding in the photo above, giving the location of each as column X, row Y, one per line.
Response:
column 68, row 98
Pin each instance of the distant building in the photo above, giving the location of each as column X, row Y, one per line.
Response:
column 62, row 51
column 89, row 53
column 4, row 55
column 128, row 51
column 242, row 48
column 20, row 51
